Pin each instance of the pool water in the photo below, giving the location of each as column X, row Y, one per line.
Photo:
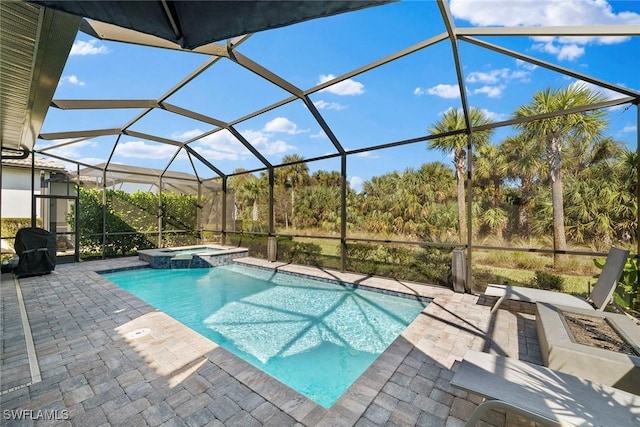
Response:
column 316, row 337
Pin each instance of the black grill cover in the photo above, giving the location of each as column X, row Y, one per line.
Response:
column 36, row 248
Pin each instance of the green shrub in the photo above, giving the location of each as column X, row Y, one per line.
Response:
column 429, row 265
column 131, row 221
column 10, row 226
column 548, row 281
column 257, row 245
column 299, row 252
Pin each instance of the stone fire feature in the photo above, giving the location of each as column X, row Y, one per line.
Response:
column 607, row 367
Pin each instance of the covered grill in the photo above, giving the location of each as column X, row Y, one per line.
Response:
column 36, row 248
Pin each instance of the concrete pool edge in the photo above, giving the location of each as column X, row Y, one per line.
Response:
column 399, row 288
column 355, row 400
column 258, row 318
column 418, row 365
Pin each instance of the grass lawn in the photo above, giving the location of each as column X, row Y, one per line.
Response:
column 518, row 277
column 329, row 247
column 525, row 264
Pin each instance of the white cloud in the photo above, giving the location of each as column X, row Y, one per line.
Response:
column 324, row 105
column 143, row 150
column 548, row 13
column 276, row 147
column 262, row 142
column 89, row 161
column 186, row 135
column 283, row 125
column 629, row 129
column 368, row 155
column 355, row 182
column 223, row 145
column 490, row 91
column 495, row 81
column 320, row 134
column 496, row 76
column 72, row 79
column 525, row 65
column 541, row 12
column 493, row 116
column 88, row 48
column 567, row 51
column 71, row 151
column 606, row 93
column 345, row 87
column 441, row 90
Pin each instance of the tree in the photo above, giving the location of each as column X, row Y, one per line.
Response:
column 249, row 191
column 453, row 119
column 326, row 178
column 489, row 171
column 294, row 173
column 524, row 164
column 554, row 133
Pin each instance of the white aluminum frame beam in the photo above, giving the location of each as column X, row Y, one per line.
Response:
column 578, row 30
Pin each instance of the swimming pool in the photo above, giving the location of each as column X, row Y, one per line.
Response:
column 316, row 337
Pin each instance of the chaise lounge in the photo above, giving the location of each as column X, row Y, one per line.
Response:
column 598, row 299
column 543, row 395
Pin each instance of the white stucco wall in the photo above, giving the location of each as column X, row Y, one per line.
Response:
column 16, row 193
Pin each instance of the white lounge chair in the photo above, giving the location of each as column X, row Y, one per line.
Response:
column 599, row 298
column 548, row 397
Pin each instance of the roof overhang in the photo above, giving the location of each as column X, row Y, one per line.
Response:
column 34, row 45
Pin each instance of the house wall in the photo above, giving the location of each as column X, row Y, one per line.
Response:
column 16, row 192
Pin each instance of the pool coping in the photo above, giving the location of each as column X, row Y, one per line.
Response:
column 341, row 279
column 373, row 378
column 163, row 258
column 80, row 323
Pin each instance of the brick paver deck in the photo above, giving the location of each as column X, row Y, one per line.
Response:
column 108, row 358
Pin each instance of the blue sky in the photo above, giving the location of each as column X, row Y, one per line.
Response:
column 396, row 101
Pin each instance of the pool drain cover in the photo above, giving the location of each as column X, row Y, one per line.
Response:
column 138, row 333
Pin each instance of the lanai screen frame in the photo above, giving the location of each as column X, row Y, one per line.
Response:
column 454, row 35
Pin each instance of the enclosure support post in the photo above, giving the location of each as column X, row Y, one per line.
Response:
column 33, row 189
column 104, row 212
column 160, row 212
column 271, row 194
column 468, row 277
column 343, row 212
column 77, row 214
column 637, row 103
column 272, row 249
column 199, row 214
column 223, row 217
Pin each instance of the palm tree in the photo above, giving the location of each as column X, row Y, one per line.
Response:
column 524, row 164
column 490, row 169
column 292, row 176
column 554, row 133
column 326, row 178
column 453, row 119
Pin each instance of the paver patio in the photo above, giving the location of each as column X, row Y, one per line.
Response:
column 98, row 367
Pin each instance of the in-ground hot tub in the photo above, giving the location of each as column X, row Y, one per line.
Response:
column 199, row 256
